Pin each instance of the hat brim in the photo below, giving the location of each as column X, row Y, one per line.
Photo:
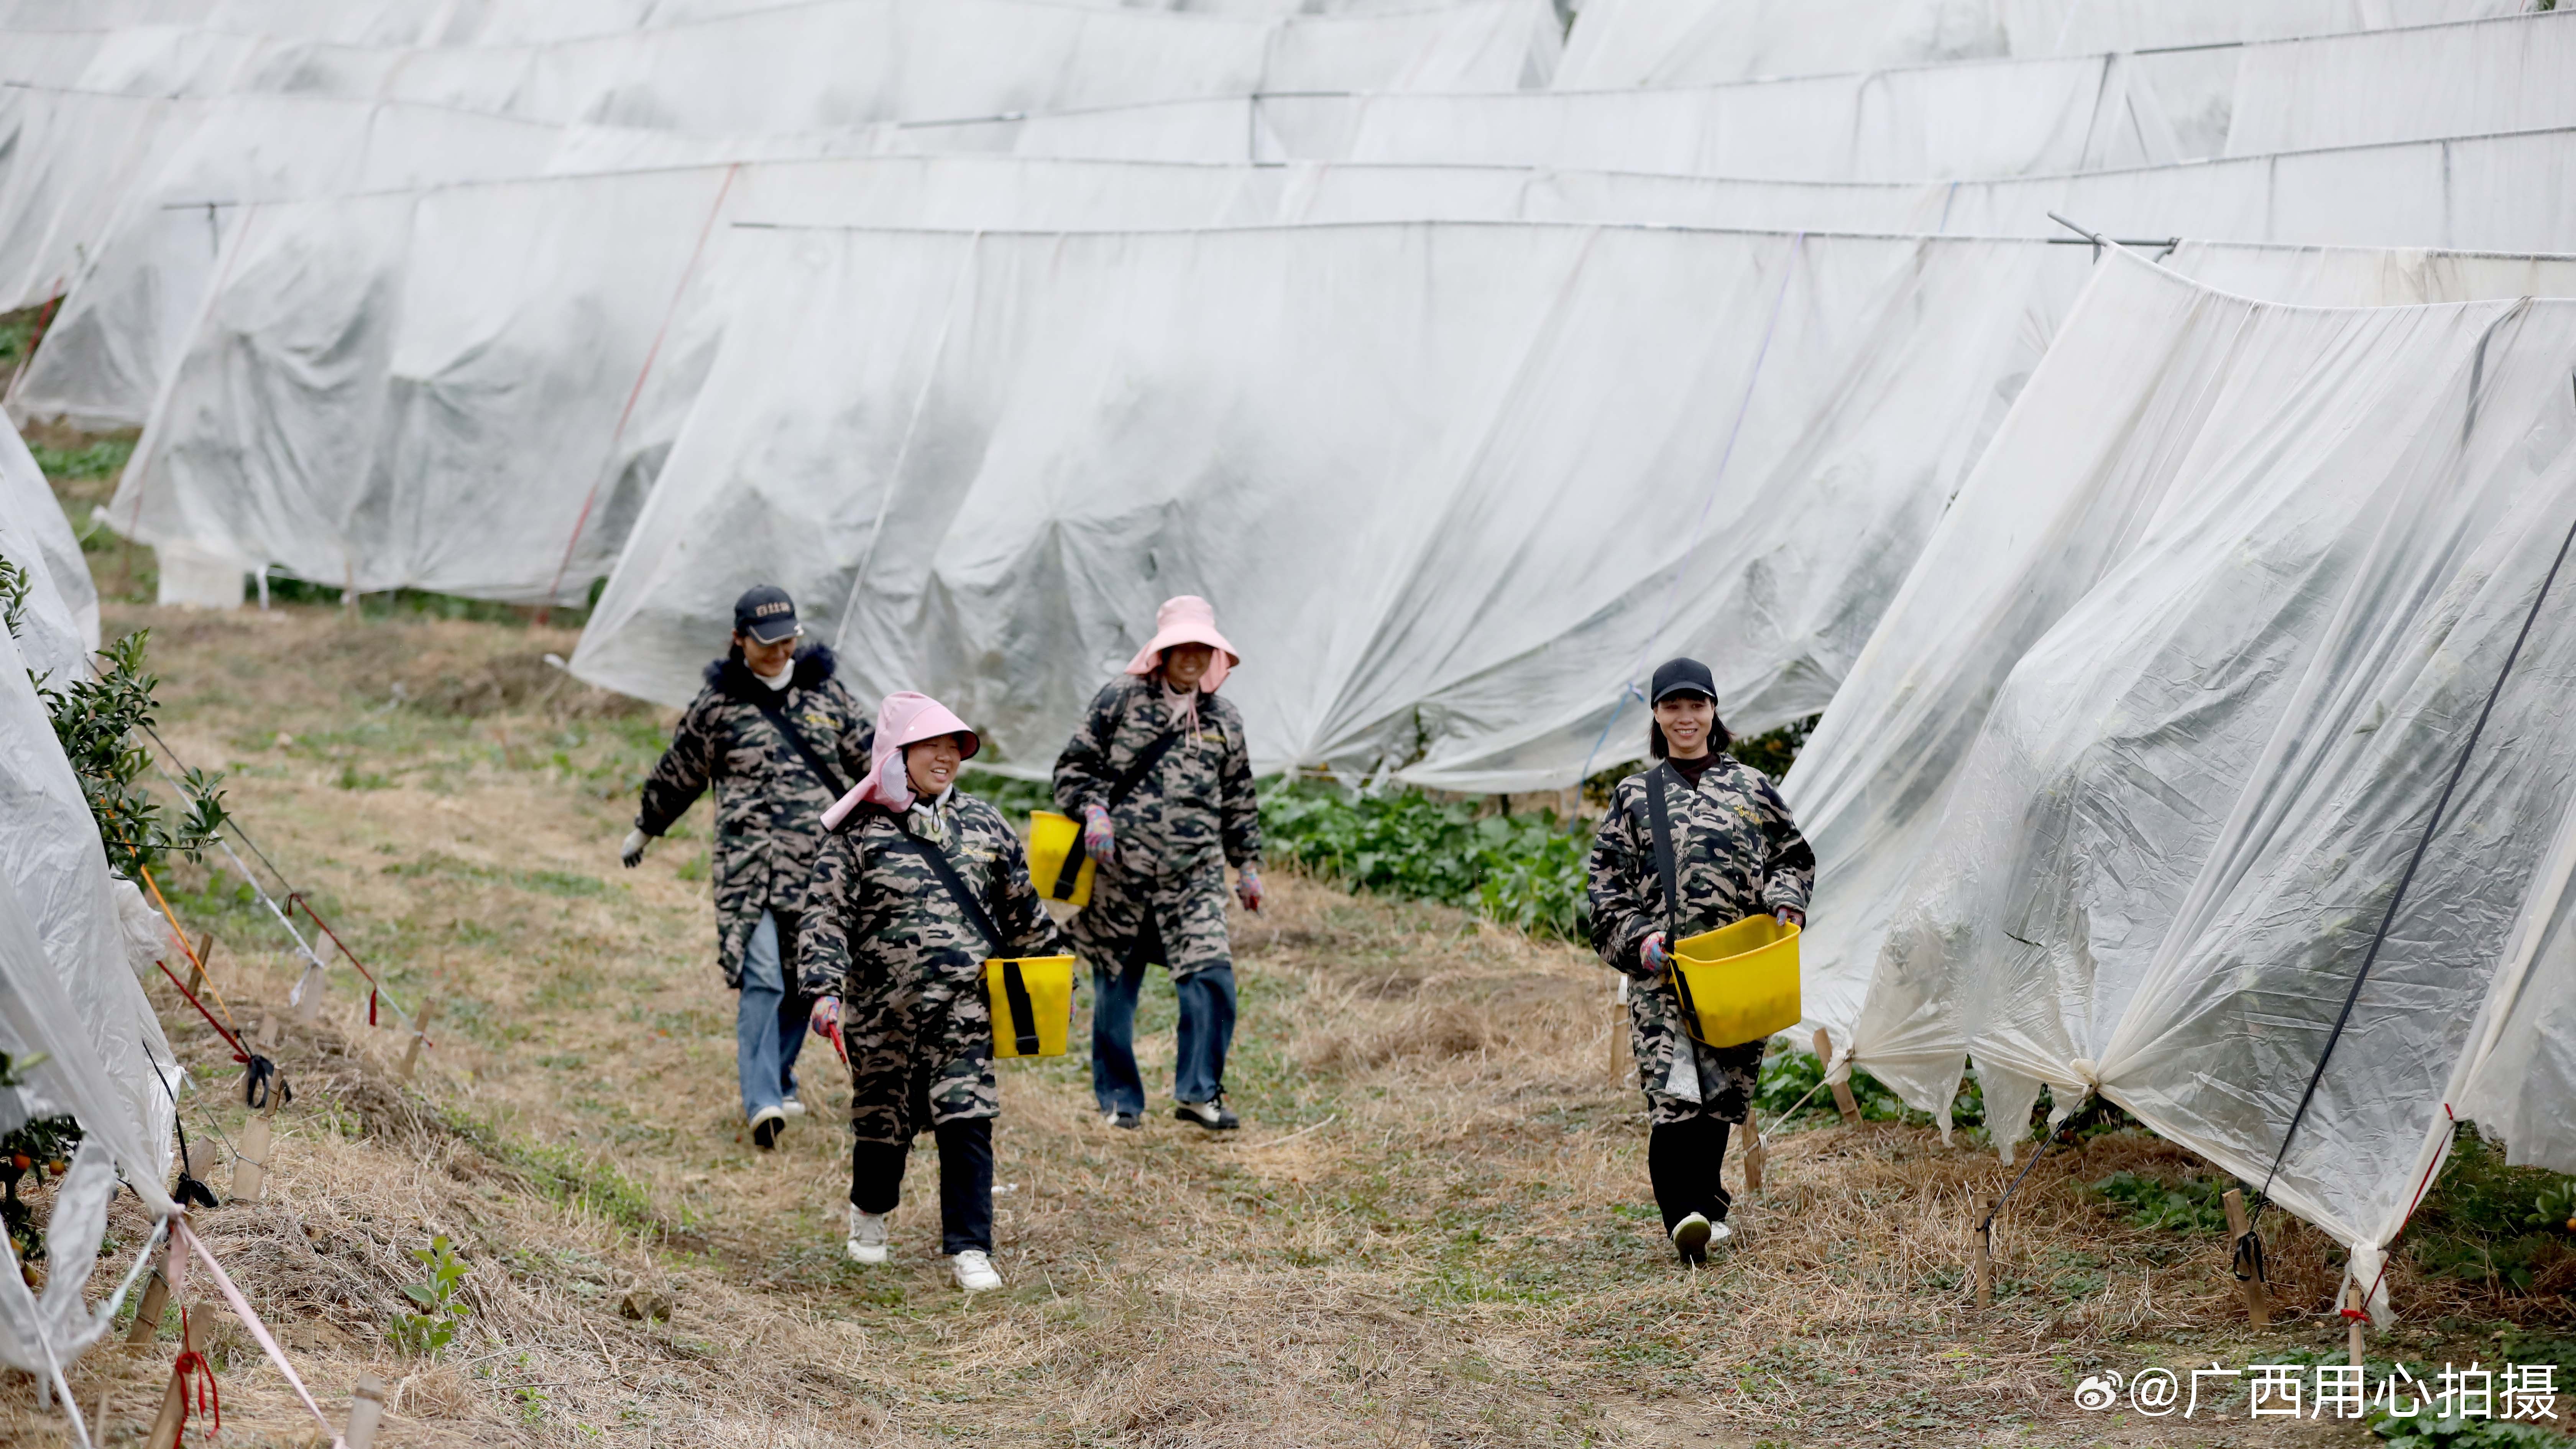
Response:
column 1674, row 690
column 771, row 631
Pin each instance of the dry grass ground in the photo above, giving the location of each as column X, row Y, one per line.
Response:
column 1434, row 1229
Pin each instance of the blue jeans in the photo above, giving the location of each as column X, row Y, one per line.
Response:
column 768, row 1023
column 1206, row 1030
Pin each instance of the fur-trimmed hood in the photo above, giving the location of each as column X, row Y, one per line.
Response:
column 814, row 665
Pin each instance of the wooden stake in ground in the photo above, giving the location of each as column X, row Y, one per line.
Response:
column 147, row 1318
column 2249, row 1286
column 308, row 1006
column 1986, row 1253
column 1752, row 1152
column 174, row 1400
column 267, row 1030
column 2354, row 1306
column 366, row 1406
column 1843, row 1101
column 250, row 1160
column 197, row 968
column 419, row 1035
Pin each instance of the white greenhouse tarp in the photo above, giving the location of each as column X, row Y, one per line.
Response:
column 2405, row 85
column 68, row 991
column 1512, row 498
column 2518, row 1082
column 2264, row 566
column 470, row 389
column 1988, row 119
column 133, row 309
column 1619, row 43
column 834, row 63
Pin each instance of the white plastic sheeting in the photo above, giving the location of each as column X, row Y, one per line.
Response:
column 2518, row 1081
column 853, row 62
column 61, row 622
column 978, row 486
column 140, row 258
column 2404, row 85
column 1697, row 42
column 67, row 988
column 1996, row 118
column 470, row 389
column 2245, row 576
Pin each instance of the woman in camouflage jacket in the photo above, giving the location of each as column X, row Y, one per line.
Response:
column 1735, row 852
column 896, row 961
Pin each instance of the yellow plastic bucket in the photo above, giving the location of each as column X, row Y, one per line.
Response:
column 1032, row 998
column 1052, row 838
column 1739, row 983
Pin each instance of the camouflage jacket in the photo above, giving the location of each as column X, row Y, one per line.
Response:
column 883, row 933
column 1736, row 853
column 1194, row 808
column 769, row 804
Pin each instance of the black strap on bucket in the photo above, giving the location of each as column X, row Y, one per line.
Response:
column 1024, row 1014
column 1125, row 785
column 1661, row 819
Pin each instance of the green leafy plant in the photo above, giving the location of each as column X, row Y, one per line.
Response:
column 1791, row 1075
column 101, row 459
column 38, row 1146
column 2426, row 1432
column 15, row 585
column 1521, row 870
column 2193, row 1205
column 425, row 1333
column 2488, row 1222
column 97, row 721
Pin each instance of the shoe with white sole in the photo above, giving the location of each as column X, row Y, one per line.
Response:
column 868, row 1242
column 1691, row 1235
column 1128, row 1120
column 974, row 1269
column 766, row 1124
column 792, row 1105
column 1212, row 1114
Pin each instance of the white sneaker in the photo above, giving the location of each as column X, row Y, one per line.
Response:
column 867, row 1242
column 766, row 1124
column 1718, row 1233
column 792, row 1105
column 1691, row 1236
column 974, row 1269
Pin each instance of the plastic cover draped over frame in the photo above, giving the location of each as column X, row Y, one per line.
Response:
column 2186, row 666
column 840, row 63
column 1695, row 42
column 58, row 623
column 470, row 390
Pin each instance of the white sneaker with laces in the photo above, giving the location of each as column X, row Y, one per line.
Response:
column 974, row 1269
column 792, row 1105
column 867, row 1242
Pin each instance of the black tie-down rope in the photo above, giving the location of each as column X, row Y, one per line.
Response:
column 2249, row 1247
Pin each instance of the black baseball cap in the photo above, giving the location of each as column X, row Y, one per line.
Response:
column 1681, row 676
column 765, row 614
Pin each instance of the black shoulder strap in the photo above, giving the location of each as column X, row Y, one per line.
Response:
column 1661, row 819
column 777, row 716
column 948, row 876
column 1134, row 775
column 1663, row 828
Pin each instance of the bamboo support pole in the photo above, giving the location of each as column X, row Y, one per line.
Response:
column 165, row 1427
column 2258, row 1306
column 308, row 1008
column 366, row 1406
column 2353, row 1341
column 419, row 1035
column 267, row 1029
column 197, row 968
column 1843, row 1101
column 250, row 1160
column 147, row 1318
column 1752, row 1151
column 1986, row 1253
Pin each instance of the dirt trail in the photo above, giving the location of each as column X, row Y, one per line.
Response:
column 1433, row 1229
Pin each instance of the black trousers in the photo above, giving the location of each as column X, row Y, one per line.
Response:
column 965, row 1182
column 1682, row 1160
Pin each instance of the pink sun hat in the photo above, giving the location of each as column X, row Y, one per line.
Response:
column 1187, row 619
column 904, row 719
